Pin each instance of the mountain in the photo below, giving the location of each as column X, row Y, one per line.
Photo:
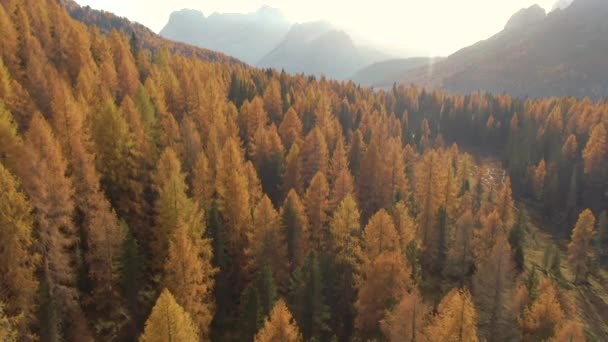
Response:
column 106, row 21
column 559, row 54
column 385, row 73
column 247, row 36
column 320, row 49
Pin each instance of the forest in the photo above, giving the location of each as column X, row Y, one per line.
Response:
column 147, row 195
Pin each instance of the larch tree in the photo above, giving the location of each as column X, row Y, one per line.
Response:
column 99, row 223
column 173, row 206
column 455, row 320
column 504, row 204
column 280, row 326
column 18, row 259
column 398, row 186
column 356, row 152
column 8, row 331
column 428, row 190
column 338, row 162
column 251, row 116
column 373, row 181
column 380, row 236
column 273, row 105
column 292, row 178
column 290, row 128
column 232, row 186
column 406, row 322
column 203, row 185
column 43, row 172
column 569, row 332
column 316, row 199
column 169, row 322
column 404, row 223
column 294, row 223
column 188, row 275
column 345, row 240
column 493, row 289
column 595, row 152
column 382, row 283
column 343, row 186
column 10, row 142
column 580, row 249
column 545, row 315
column 460, row 253
column 314, row 156
column 267, row 242
column 117, row 161
column 492, row 230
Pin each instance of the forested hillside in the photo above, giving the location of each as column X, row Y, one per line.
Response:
column 147, row 195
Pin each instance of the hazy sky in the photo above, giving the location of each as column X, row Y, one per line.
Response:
column 433, row 27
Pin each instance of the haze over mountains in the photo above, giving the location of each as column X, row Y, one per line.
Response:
column 536, row 54
column 266, row 38
column 559, row 54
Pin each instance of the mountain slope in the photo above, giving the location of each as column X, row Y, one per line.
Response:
column 106, row 21
column 385, row 73
column 318, row 48
column 561, row 54
column 247, row 36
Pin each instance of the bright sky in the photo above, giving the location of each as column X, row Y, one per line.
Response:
column 432, row 27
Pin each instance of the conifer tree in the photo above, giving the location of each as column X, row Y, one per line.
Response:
column 455, row 320
column 545, row 315
column 383, row 281
column 43, row 172
column 188, row 274
column 290, row 128
column 594, row 154
column 295, row 225
column 280, row 326
column 173, row 207
column 356, row 152
column 273, row 104
column 267, row 241
column 373, row 182
column 569, row 332
column 345, row 249
column 131, row 266
column 292, row 178
column 8, row 332
column 380, row 236
column 169, row 322
column 580, row 249
column 428, row 185
column 407, row 320
column 117, row 161
column 404, row 223
column 18, row 260
column 460, row 254
column 307, row 299
column 317, row 205
column 493, row 288
column 10, row 142
column 203, row 186
column 234, row 204
column 314, row 156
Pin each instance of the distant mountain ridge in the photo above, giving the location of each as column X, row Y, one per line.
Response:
column 383, row 74
column 267, row 39
column 559, row 54
column 247, row 36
